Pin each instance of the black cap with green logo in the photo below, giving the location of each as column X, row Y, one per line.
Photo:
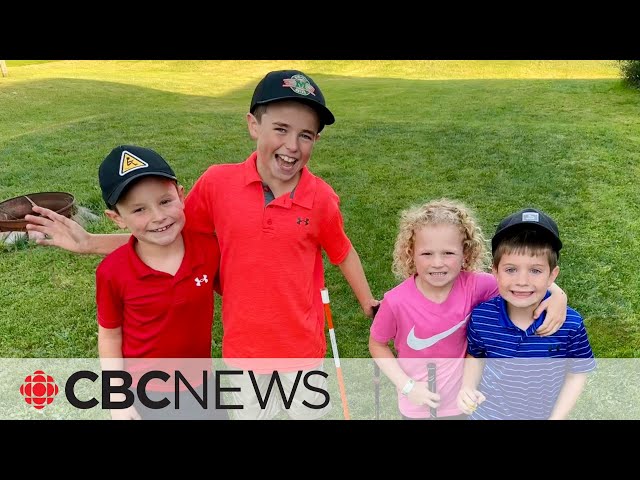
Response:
column 292, row 85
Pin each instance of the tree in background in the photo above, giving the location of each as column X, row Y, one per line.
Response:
column 630, row 70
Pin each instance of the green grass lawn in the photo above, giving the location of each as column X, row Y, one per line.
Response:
column 559, row 136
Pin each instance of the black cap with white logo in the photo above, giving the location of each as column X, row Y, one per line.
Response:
column 529, row 218
column 126, row 163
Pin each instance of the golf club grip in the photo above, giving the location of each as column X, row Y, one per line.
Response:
column 376, row 368
column 431, row 383
column 376, row 376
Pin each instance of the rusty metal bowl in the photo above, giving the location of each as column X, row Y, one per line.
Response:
column 12, row 211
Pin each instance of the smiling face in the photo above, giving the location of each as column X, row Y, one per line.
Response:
column 152, row 209
column 523, row 278
column 438, row 256
column 285, row 134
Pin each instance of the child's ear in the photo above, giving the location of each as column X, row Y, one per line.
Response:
column 554, row 275
column 253, row 125
column 180, row 189
column 115, row 218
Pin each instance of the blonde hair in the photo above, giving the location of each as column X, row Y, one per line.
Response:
column 438, row 212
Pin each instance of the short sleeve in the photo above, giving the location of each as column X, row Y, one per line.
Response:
column 333, row 238
column 108, row 300
column 198, row 205
column 486, row 287
column 475, row 344
column 384, row 327
column 579, row 350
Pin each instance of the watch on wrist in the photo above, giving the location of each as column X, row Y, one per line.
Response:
column 408, row 387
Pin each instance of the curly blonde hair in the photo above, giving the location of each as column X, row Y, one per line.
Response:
column 437, row 212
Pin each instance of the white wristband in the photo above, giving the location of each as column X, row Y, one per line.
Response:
column 408, row 387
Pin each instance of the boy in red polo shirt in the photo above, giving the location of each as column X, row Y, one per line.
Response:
column 272, row 218
column 155, row 294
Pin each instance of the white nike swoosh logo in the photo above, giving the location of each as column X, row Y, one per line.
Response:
column 422, row 343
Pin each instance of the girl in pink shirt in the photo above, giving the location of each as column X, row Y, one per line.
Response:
column 439, row 254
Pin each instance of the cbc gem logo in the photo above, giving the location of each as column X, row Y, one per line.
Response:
column 39, row 389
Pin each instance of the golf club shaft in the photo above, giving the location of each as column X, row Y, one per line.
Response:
column 431, row 383
column 376, row 377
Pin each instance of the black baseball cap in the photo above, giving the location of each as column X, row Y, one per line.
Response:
column 126, row 163
column 526, row 219
column 292, row 85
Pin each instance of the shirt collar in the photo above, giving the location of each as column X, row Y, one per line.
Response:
column 194, row 256
column 140, row 269
column 506, row 322
column 304, row 192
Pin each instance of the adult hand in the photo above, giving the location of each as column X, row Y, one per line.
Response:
column 57, row 230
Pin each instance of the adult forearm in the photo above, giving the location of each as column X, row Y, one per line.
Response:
column 104, row 244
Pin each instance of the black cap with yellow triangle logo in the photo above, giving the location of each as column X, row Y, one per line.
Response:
column 126, row 163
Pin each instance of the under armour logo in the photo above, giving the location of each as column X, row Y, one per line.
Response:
column 200, row 280
column 554, row 348
column 302, row 220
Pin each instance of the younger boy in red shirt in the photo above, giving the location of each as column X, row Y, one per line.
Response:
column 155, row 293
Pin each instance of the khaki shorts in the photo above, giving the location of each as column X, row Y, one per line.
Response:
column 306, row 404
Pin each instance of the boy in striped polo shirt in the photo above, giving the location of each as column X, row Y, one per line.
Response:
column 528, row 376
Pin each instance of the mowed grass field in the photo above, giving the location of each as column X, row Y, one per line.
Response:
column 499, row 136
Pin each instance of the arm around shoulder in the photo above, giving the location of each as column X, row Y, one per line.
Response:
column 55, row 230
column 556, row 306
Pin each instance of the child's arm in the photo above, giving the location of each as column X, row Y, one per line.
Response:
column 354, row 274
column 556, row 307
column 64, row 233
column 571, row 389
column 110, row 350
column 469, row 396
column 419, row 393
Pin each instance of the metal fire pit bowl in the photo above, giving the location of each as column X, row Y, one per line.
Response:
column 12, row 211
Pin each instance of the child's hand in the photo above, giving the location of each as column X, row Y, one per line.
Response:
column 371, row 308
column 421, row 395
column 469, row 399
column 556, row 307
column 129, row 413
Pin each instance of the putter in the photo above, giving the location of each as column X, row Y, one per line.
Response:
column 376, row 376
column 431, row 383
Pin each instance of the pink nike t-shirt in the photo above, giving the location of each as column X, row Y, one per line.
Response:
column 427, row 332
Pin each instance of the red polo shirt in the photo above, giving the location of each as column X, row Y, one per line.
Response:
column 161, row 315
column 271, row 269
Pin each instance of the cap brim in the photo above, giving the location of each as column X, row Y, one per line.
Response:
column 326, row 117
column 115, row 195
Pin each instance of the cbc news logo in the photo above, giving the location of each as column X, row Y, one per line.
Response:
column 39, row 389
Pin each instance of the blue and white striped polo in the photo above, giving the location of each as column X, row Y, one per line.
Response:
column 524, row 372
